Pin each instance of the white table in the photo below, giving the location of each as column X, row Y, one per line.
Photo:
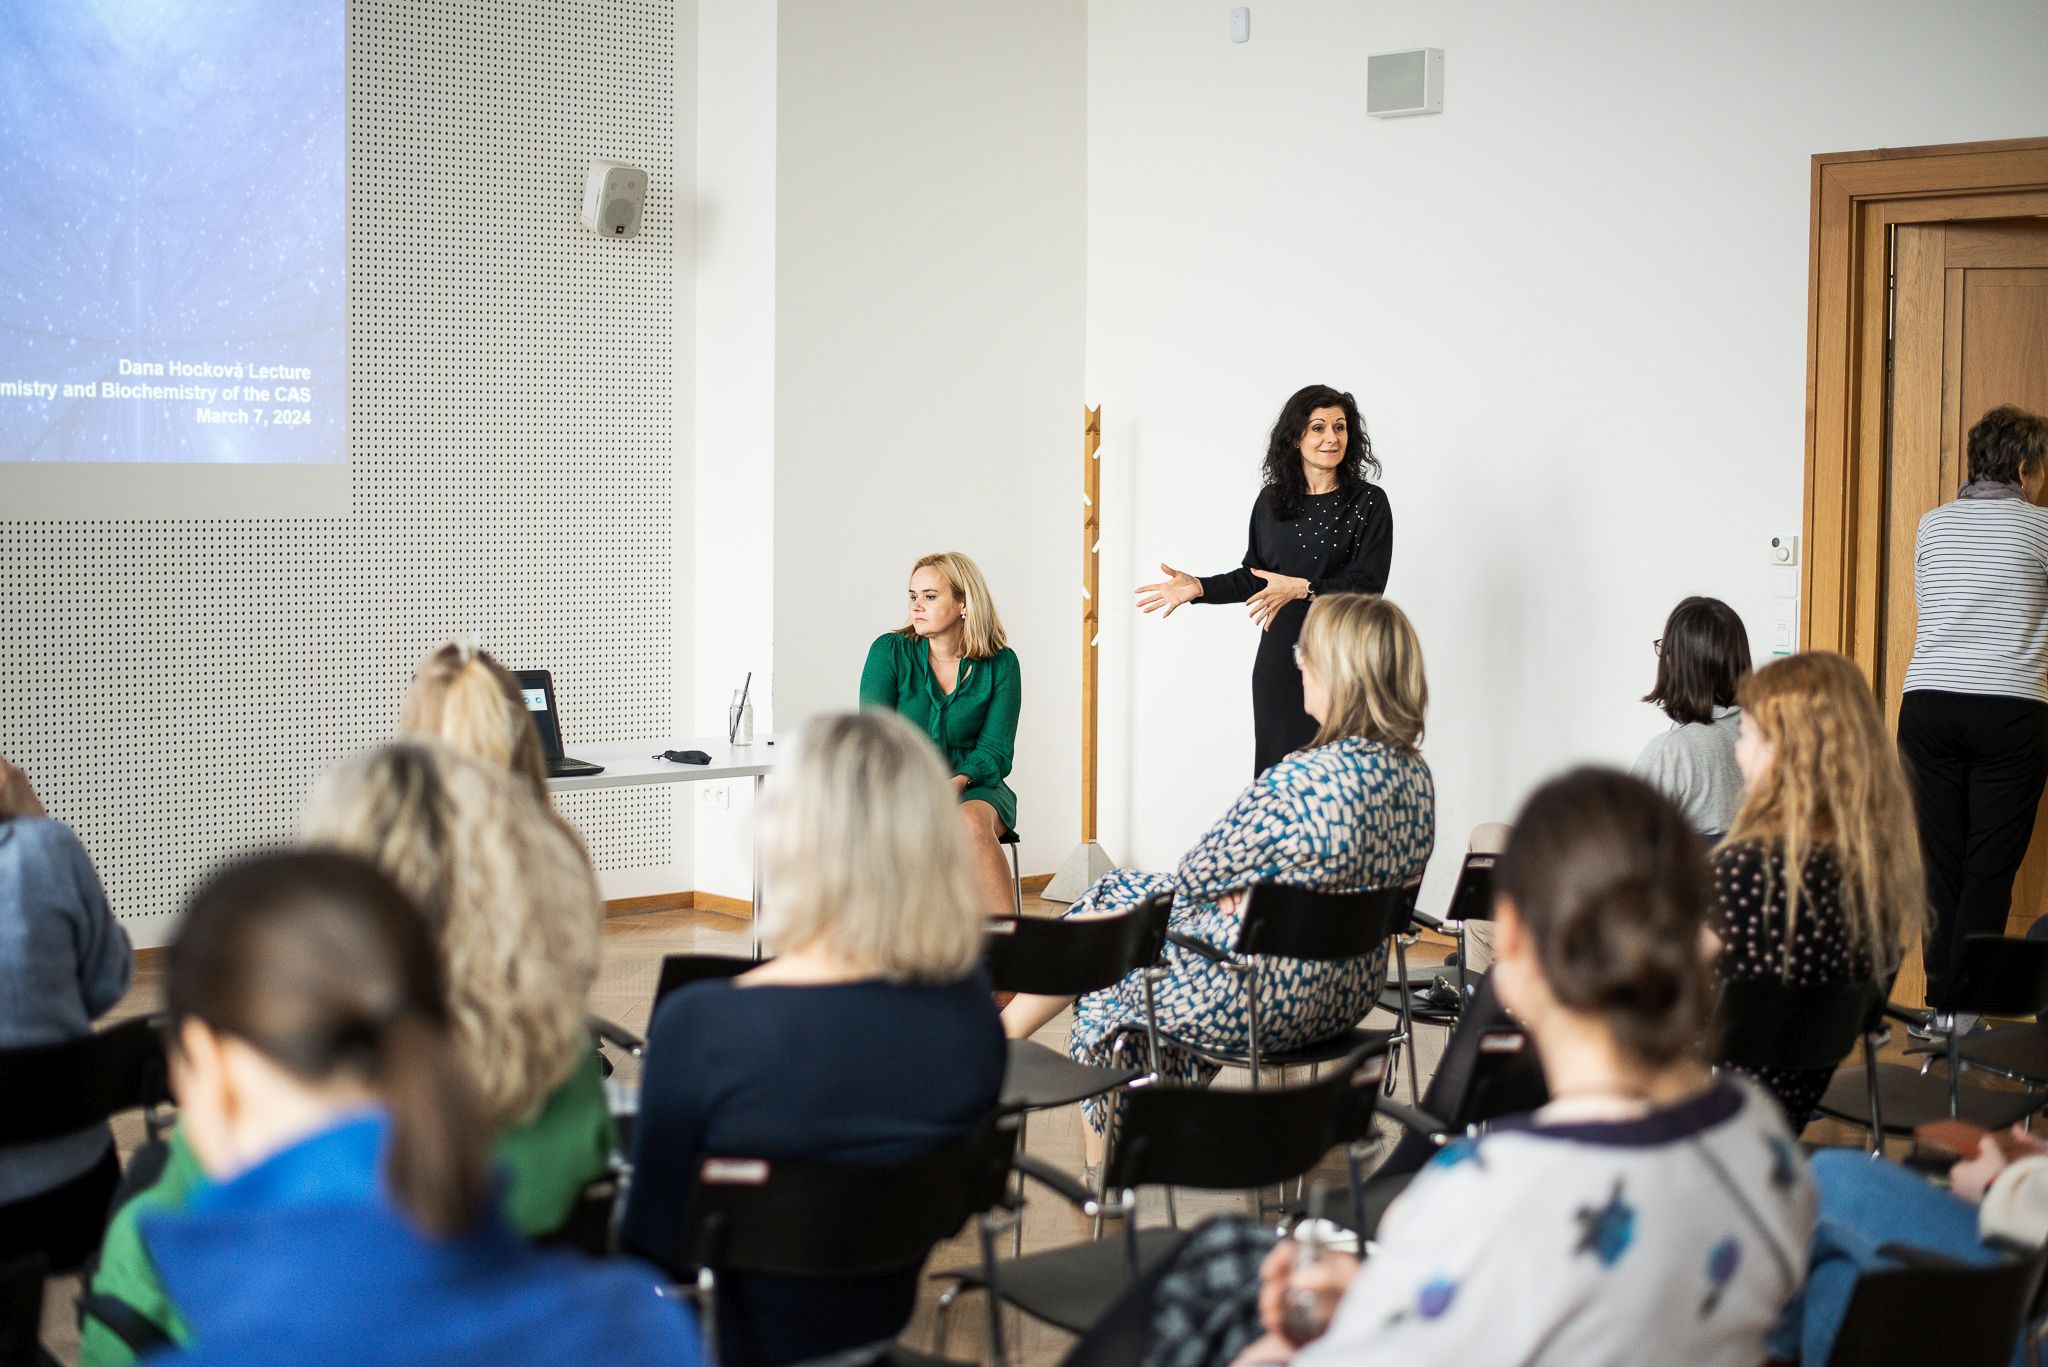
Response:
column 630, row 763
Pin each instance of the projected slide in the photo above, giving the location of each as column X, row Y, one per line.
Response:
column 172, row 231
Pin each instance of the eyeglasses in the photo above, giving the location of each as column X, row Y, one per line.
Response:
column 1657, row 646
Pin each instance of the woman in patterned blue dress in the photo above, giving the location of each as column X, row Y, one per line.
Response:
column 1354, row 811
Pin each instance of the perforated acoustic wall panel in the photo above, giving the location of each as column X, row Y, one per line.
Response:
column 173, row 688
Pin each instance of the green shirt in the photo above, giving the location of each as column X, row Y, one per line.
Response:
column 974, row 726
column 546, row 1163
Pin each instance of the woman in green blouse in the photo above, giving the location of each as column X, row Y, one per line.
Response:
column 948, row 672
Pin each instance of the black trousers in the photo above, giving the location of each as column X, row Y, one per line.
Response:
column 63, row 1224
column 1977, row 764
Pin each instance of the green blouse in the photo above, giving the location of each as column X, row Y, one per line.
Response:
column 974, row 726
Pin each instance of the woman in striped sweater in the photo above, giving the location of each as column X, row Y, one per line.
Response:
column 1973, row 724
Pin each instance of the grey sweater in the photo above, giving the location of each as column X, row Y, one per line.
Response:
column 1693, row 764
column 64, row 960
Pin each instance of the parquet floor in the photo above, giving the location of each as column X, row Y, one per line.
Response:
column 633, row 950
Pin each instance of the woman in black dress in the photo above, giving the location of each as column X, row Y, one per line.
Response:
column 1319, row 526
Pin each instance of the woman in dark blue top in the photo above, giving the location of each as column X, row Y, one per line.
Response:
column 1319, row 526
column 870, row 1039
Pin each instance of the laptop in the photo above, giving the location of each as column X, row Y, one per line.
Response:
column 538, row 686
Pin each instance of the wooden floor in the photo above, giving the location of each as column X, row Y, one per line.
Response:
column 633, row 950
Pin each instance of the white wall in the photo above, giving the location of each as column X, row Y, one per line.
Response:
column 733, row 511
column 1572, row 307
column 929, row 318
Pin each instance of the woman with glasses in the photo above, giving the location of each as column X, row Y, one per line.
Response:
column 1354, row 811
column 1702, row 657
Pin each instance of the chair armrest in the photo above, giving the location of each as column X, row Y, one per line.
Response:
column 1911, row 1256
column 1906, row 1015
column 610, row 1032
column 1063, row 1183
column 1421, row 1122
column 136, row 1332
column 1200, row 947
column 1429, row 922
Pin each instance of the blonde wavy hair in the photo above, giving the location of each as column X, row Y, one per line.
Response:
column 981, row 630
column 862, row 853
column 461, row 695
column 509, row 889
column 1835, row 782
column 1365, row 651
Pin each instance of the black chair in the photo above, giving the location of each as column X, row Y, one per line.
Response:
column 1767, row 1023
column 58, row 1089
column 1471, row 900
column 1998, row 976
column 1009, row 840
column 1285, row 922
column 1489, row 1070
column 677, row 970
column 814, row 1219
column 55, row 1089
column 1062, row 957
column 1218, row 1140
column 21, row 1312
column 1934, row 1309
column 2018, row 1052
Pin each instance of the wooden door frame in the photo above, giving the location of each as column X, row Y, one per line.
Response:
column 1857, row 198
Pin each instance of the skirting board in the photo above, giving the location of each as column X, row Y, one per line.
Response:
column 738, row 907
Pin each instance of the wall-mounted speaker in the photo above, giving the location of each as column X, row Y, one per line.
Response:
column 614, row 195
column 1400, row 83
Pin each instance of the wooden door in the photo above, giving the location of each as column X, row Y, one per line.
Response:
column 1969, row 331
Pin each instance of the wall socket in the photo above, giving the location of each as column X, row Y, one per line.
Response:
column 717, row 795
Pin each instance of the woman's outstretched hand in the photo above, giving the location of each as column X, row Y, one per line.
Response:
column 1280, row 590
column 1178, row 587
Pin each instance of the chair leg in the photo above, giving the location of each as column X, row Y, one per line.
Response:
column 1017, row 878
column 996, row 1354
column 1408, row 1019
column 1017, row 1228
column 941, row 1317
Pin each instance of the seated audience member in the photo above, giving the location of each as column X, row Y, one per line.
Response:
column 869, row 1039
column 1354, row 811
column 509, row 891
column 1650, row 1211
column 464, row 698
column 1702, row 657
column 1827, row 796
column 325, row 1090
column 1866, row 1204
column 948, row 672
column 64, row 961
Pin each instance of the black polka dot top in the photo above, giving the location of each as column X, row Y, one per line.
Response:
column 1749, row 882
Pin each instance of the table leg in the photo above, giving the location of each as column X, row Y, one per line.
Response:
column 754, row 918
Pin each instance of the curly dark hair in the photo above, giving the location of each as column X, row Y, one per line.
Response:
column 1284, row 477
column 2005, row 441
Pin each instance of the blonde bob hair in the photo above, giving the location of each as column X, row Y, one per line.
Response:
column 461, row 695
column 1835, row 781
column 1364, row 650
column 862, row 852
column 509, row 890
column 981, row 630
